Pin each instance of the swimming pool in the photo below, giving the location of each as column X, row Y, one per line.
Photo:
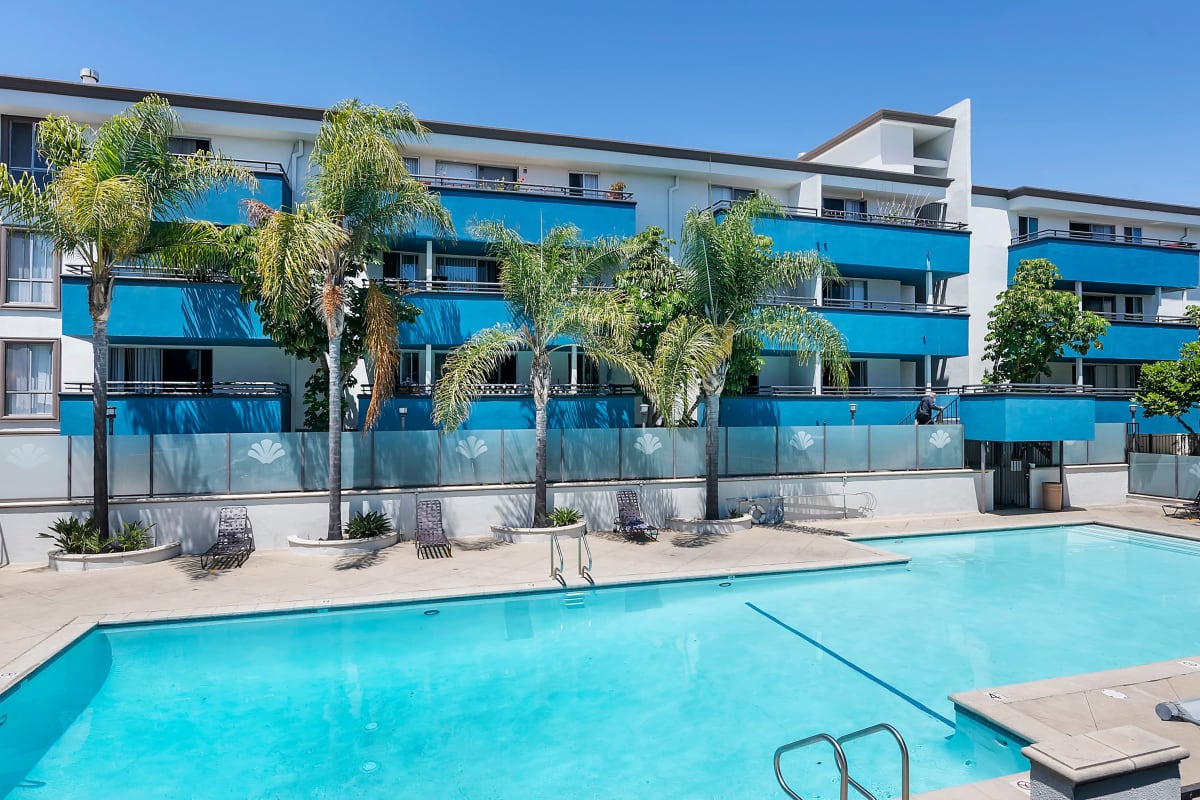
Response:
column 676, row 690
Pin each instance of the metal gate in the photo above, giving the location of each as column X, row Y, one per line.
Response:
column 1012, row 462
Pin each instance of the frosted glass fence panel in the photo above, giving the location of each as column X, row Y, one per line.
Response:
column 847, row 449
column 520, row 455
column 260, row 462
column 471, row 457
column 356, row 461
column 191, row 463
column 689, row 452
column 406, row 458
column 128, row 466
column 1187, row 473
column 591, row 454
column 1150, row 473
column 647, row 453
column 1109, row 445
column 748, row 451
column 34, row 467
column 894, row 448
column 940, row 446
column 1075, row 451
column 801, row 450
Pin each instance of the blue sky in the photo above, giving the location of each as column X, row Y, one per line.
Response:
column 1092, row 97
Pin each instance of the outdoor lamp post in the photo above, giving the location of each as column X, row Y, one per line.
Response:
column 853, row 411
column 1132, row 413
column 403, row 417
column 110, row 414
column 645, row 413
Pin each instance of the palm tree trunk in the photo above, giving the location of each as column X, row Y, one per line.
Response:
column 99, row 304
column 539, row 379
column 712, row 452
column 335, row 437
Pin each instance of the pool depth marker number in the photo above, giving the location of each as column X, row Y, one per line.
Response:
column 873, row 678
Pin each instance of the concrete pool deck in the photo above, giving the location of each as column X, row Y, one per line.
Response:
column 45, row 610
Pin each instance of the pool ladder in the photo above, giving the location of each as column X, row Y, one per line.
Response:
column 840, row 757
column 556, row 569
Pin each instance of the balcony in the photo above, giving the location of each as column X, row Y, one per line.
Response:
column 1110, row 261
column 886, row 329
column 164, row 308
column 511, row 406
column 1137, row 338
column 153, row 407
column 529, row 208
column 873, row 245
column 224, row 206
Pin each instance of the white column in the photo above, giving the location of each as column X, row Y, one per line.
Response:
column 428, row 364
column 574, row 368
column 1079, row 293
column 1079, row 372
column 928, row 371
column 429, row 261
column 817, row 375
column 1157, row 303
column 819, row 289
column 928, row 284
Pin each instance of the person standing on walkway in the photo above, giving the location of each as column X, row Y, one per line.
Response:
column 927, row 407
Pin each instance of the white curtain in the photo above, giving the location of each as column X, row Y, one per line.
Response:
column 138, row 365
column 28, row 379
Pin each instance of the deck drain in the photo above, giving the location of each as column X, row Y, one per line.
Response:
column 369, row 766
column 370, row 726
column 433, row 612
column 723, row 584
column 3, row 719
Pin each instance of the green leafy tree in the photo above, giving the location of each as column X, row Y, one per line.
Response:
column 1032, row 324
column 552, row 290
column 314, row 256
column 729, row 270
column 1172, row 388
column 117, row 196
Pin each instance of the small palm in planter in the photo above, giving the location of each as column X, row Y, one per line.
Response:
column 81, row 537
column 368, row 525
column 564, row 516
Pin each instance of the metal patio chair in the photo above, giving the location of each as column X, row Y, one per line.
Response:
column 629, row 516
column 235, row 539
column 431, row 539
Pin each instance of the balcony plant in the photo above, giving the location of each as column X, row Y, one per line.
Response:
column 118, row 196
column 552, row 291
column 616, row 190
column 311, row 256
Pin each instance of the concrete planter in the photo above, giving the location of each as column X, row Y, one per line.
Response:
column 341, row 547
column 75, row 562
column 505, row 533
column 732, row 525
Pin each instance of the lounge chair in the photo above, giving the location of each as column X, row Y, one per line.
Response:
column 629, row 516
column 235, row 539
column 1183, row 509
column 431, row 539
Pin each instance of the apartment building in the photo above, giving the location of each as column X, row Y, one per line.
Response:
column 890, row 201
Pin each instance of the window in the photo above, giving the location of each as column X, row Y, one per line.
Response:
column 584, row 184
column 30, row 269
column 402, row 266
column 1093, row 230
column 850, row 293
column 497, row 177
column 729, row 193
column 1133, row 309
column 587, row 371
column 148, row 370
column 456, row 269
column 1133, row 235
column 840, row 208
column 20, row 149
column 29, row 379
column 1027, row 226
column 857, row 377
column 408, row 372
column 1100, row 303
column 413, row 165
column 505, row 372
column 184, row 146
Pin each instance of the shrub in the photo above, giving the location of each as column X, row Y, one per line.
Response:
column 132, row 536
column 564, row 515
column 364, row 526
column 74, row 535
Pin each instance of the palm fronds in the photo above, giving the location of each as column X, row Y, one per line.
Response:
column 467, row 368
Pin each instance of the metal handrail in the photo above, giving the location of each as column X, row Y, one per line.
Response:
column 556, row 572
column 271, row 167
column 183, row 387
column 501, row 389
column 1143, row 319
column 1108, row 238
column 863, row 305
column 217, row 275
column 854, row 216
column 1028, row 388
column 870, row 731
column 838, row 754
column 585, row 572
column 520, row 186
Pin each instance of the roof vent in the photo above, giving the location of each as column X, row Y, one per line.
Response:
column 89, row 75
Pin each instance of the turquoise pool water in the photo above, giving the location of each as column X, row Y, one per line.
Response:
column 679, row 690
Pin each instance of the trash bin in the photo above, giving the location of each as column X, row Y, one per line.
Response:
column 1052, row 496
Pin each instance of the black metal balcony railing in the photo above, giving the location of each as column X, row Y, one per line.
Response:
column 1149, row 319
column 446, row 182
column 1028, row 388
column 856, row 216
column 226, row 388
column 863, row 305
column 1110, row 238
column 512, row 389
column 199, row 275
column 851, row 391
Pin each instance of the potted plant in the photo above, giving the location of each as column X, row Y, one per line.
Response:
column 563, row 521
column 79, row 546
column 366, row 532
column 616, row 190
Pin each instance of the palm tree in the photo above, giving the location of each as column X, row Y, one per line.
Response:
column 117, row 196
column 553, row 292
column 729, row 271
column 360, row 195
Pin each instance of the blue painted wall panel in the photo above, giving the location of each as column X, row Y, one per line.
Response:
column 450, row 319
column 224, row 206
column 881, row 249
column 1027, row 418
column 892, row 334
column 1116, row 409
column 1114, row 264
column 145, row 414
column 166, row 311
column 532, row 214
column 1140, row 342
column 491, row 413
column 742, row 412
